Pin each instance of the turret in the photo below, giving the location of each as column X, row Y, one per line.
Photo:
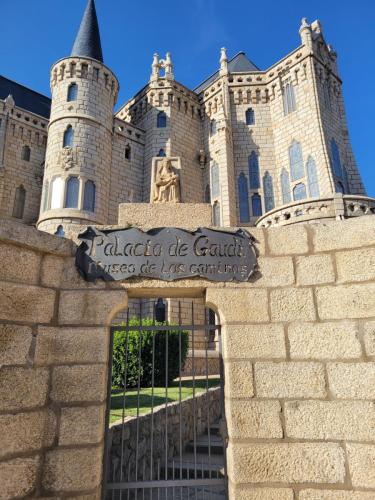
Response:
column 306, row 33
column 79, row 149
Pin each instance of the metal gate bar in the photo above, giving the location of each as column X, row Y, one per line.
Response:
column 140, row 476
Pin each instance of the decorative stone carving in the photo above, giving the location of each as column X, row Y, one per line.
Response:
column 165, row 183
column 67, row 158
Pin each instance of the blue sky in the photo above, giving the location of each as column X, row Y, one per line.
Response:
column 36, row 33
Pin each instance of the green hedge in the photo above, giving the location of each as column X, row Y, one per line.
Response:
column 135, row 340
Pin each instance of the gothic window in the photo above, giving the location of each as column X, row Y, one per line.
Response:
column 26, row 153
column 19, row 202
column 72, row 92
column 213, row 127
column 243, row 198
column 128, row 153
column 250, row 116
column 254, row 171
column 57, row 192
column 72, row 192
column 256, row 205
column 45, row 196
column 161, row 153
column 312, row 177
column 215, row 180
column 299, row 192
column 160, row 311
column 269, row 198
column 289, row 99
column 161, row 120
column 216, row 213
column 60, row 231
column 207, row 194
column 89, row 196
column 296, row 161
column 285, row 186
column 336, row 161
column 68, row 137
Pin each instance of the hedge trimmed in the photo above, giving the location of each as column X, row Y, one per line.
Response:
column 141, row 366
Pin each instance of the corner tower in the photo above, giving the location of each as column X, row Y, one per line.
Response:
column 76, row 185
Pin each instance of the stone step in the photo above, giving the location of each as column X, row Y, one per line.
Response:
column 203, row 442
column 206, row 467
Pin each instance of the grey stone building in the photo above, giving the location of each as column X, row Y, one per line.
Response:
column 262, row 147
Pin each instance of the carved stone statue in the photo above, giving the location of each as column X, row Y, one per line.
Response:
column 67, row 160
column 166, row 186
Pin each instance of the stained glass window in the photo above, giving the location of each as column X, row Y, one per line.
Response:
column 243, row 198
column 312, row 177
column 285, row 186
column 256, row 205
column 250, row 116
column 72, row 192
column 215, row 180
column 296, row 161
column 89, row 197
column 269, row 199
column 68, row 137
column 254, row 171
column 299, row 192
column 161, row 120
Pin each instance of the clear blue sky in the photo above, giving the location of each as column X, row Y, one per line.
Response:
column 36, row 33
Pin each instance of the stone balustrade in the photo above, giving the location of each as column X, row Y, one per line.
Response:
column 333, row 207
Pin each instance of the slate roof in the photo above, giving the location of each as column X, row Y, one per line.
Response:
column 87, row 42
column 238, row 64
column 25, row 98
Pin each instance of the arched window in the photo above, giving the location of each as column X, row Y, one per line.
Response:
column 161, row 121
column 160, row 310
column 89, row 197
column 60, row 231
column 68, row 137
column 243, row 198
column 215, row 180
column 26, row 153
column 285, row 186
column 128, row 152
column 213, row 127
column 72, row 92
column 299, row 192
column 312, row 178
column 207, row 194
column 57, row 191
column 340, row 187
column 336, row 161
column 296, row 161
column 72, row 192
column 44, row 203
column 256, row 205
column 269, row 198
column 216, row 213
column 161, row 153
column 19, row 202
column 254, row 171
column 250, row 116
column 289, row 99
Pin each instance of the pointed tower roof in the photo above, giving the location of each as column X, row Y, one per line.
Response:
column 87, row 43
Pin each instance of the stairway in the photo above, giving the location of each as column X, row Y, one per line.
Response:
column 203, row 461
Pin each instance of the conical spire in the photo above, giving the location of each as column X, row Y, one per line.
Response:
column 87, row 43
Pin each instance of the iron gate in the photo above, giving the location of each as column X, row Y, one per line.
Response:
column 165, row 430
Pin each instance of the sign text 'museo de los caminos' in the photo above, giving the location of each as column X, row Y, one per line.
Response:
column 165, row 253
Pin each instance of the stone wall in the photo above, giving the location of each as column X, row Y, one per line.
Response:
column 152, row 427
column 299, row 362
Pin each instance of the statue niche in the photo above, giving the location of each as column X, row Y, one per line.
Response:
column 165, row 181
